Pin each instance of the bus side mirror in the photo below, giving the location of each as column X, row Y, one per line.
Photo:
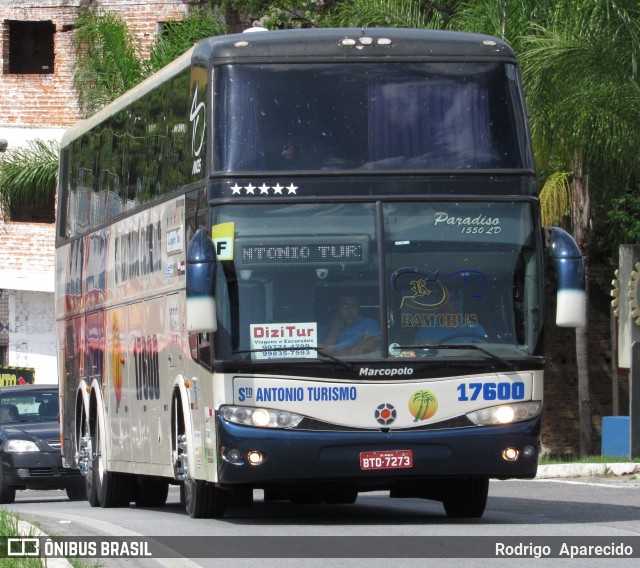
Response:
column 201, row 272
column 571, row 309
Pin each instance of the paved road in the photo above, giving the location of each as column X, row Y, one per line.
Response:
column 528, row 511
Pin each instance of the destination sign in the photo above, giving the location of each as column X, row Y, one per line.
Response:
column 318, row 254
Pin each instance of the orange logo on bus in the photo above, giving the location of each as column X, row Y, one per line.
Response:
column 423, row 405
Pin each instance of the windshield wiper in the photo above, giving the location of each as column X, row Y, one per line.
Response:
column 318, row 350
column 435, row 346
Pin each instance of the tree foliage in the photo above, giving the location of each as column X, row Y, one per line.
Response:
column 108, row 59
column 28, row 176
column 180, row 35
column 383, row 13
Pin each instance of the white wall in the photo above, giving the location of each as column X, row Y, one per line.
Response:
column 32, row 339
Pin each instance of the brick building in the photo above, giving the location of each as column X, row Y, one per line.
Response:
column 38, row 101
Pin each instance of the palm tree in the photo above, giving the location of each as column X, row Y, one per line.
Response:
column 108, row 59
column 384, row 13
column 581, row 79
column 108, row 55
column 28, row 176
column 180, row 35
column 580, row 71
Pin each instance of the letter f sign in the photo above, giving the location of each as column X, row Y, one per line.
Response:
column 222, row 236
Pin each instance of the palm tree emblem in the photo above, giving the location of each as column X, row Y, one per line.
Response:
column 423, row 405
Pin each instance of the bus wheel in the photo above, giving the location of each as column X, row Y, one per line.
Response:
column 345, row 496
column 151, row 491
column 465, row 497
column 85, row 460
column 112, row 489
column 204, row 500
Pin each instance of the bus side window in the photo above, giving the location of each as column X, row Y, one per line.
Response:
column 200, row 346
column 193, row 346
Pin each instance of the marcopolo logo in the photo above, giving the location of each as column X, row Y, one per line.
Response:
column 389, row 372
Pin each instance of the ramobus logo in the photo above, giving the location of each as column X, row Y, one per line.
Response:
column 392, row 372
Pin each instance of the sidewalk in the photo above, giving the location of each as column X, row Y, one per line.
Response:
column 586, row 469
column 29, row 530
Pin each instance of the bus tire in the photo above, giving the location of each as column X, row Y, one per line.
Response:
column 345, row 496
column 204, row 500
column 465, row 497
column 151, row 491
column 113, row 489
column 89, row 485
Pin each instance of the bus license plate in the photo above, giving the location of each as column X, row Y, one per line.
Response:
column 392, row 459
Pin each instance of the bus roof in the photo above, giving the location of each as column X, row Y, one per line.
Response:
column 348, row 43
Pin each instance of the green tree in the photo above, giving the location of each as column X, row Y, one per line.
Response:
column 580, row 73
column 178, row 36
column 28, row 176
column 581, row 79
column 108, row 59
column 385, row 13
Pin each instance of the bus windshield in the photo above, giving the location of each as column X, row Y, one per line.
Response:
column 377, row 116
column 444, row 278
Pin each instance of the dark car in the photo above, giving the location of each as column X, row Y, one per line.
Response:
column 30, row 456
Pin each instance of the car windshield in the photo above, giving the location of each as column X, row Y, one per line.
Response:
column 28, row 406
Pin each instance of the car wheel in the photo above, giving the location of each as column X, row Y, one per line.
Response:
column 77, row 493
column 7, row 493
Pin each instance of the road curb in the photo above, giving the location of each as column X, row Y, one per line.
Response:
column 586, row 470
column 26, row 529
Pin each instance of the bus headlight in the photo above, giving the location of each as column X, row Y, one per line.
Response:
column 260, row 417
column 506, row 413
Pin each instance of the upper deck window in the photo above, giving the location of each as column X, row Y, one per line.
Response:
column 393, row 116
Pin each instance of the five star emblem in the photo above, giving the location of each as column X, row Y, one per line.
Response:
column 263, row 189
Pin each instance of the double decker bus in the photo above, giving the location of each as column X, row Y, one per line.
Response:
column 215, row 221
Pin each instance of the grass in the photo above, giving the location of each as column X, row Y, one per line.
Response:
column 8, row 529
column 588, row 459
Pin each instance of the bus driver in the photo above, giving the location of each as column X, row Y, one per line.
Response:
column 349, row 333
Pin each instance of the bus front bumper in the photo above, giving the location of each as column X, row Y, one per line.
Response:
column 290, row 456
